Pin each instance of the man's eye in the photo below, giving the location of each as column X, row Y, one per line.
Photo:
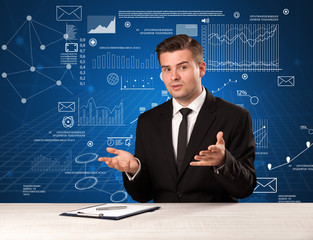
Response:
column 166, row 69
column 183, row 67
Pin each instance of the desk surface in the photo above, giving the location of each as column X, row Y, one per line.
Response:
column 172, row 221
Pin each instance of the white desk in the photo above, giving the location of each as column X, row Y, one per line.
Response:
column 173, row 221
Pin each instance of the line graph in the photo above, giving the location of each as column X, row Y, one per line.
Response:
column 260, row 132
column 93, row 115
column 225, row 85
column 243, row 47
column 289, row 159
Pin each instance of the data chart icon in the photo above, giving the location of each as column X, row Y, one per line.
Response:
column 101, row 24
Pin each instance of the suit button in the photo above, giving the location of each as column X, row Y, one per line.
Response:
column 179, row 194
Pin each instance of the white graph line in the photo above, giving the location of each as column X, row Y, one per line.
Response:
column 248, row 47
column 260, row 132
column 22, row 71
column 16, row 32
column 41, row 92
column 14, row 88
column 30, row 45
column 93, row 115
column 36, row 33
column 260, row 142
column 134, row 121
column 47, row 27
column 244, row 31
column 18, row 57
column 288, row 160
column 257, row 135
column 225, row 84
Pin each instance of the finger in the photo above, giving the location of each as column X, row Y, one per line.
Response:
column 205, row 152
column 219, row 137
column 201, row 163
column 213, row 148
column 112, row 150
column 103, row 159
column 203, row 158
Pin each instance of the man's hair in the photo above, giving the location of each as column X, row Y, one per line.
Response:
column 180, row 42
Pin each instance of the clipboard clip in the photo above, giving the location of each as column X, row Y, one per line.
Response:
column 89, row 214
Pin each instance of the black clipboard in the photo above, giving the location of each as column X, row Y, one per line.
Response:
column 111, row 211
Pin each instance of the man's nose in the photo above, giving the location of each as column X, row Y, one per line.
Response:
column 174, row 74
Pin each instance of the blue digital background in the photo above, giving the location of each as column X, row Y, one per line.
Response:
column 50, row 155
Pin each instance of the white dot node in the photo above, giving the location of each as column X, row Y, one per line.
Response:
column 32, row 69
column 23, row 100
column 4, row 47
column 65, row 36
column 42, row 47
column 4, row 75
column 59, row 82
column 29, row 18
column 68, row 66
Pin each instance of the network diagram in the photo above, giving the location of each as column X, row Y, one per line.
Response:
column 30, row 24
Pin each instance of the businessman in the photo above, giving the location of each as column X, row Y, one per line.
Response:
column 194, row 147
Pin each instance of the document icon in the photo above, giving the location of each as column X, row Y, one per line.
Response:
column 266, row 185
column 66, row 106
column 69, row 13
column 188, row 29
column 286, row 81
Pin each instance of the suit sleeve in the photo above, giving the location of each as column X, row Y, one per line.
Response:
column 239, row 176
column 140, row 188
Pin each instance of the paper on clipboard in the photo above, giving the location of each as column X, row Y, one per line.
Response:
column 111, row 211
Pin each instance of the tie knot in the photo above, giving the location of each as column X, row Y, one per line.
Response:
column 185, row 111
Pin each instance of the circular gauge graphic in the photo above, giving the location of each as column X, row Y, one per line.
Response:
column 118, row 196
column 86, row 158
column 86, row 183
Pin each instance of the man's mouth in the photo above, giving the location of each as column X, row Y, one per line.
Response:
column 176, row 86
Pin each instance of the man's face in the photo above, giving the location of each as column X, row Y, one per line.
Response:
column 182, row 75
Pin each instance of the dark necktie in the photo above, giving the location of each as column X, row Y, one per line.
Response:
column 182, row 137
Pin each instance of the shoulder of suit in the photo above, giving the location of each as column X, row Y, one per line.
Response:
column 163, row 108
column 225, row 106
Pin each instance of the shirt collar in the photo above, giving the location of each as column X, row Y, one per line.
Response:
column 194, row 106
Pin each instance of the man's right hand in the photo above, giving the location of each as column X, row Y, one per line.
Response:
column 123, row 161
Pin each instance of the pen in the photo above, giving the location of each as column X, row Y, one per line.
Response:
column 111, row 208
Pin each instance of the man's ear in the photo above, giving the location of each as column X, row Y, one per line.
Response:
column 202, row 68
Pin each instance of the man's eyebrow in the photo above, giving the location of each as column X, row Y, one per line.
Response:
column 183, row 62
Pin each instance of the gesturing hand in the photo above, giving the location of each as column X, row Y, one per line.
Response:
column 214, row 156
column 123, row 161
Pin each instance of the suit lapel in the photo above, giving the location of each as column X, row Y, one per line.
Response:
column 203, row 123
column 166, row 133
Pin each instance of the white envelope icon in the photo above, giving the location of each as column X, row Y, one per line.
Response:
column 66, row 106
column 71, row 47
column 69, row 13
column 286, row 81
column 266, row 185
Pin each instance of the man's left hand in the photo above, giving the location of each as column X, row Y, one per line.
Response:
column 214, row 156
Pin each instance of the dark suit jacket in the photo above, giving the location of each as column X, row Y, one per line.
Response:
column 158, row 179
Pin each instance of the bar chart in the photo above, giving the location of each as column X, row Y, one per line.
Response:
column 47, row 164
column 115, row 61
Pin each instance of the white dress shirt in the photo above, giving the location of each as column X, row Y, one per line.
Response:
column 195, row 106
